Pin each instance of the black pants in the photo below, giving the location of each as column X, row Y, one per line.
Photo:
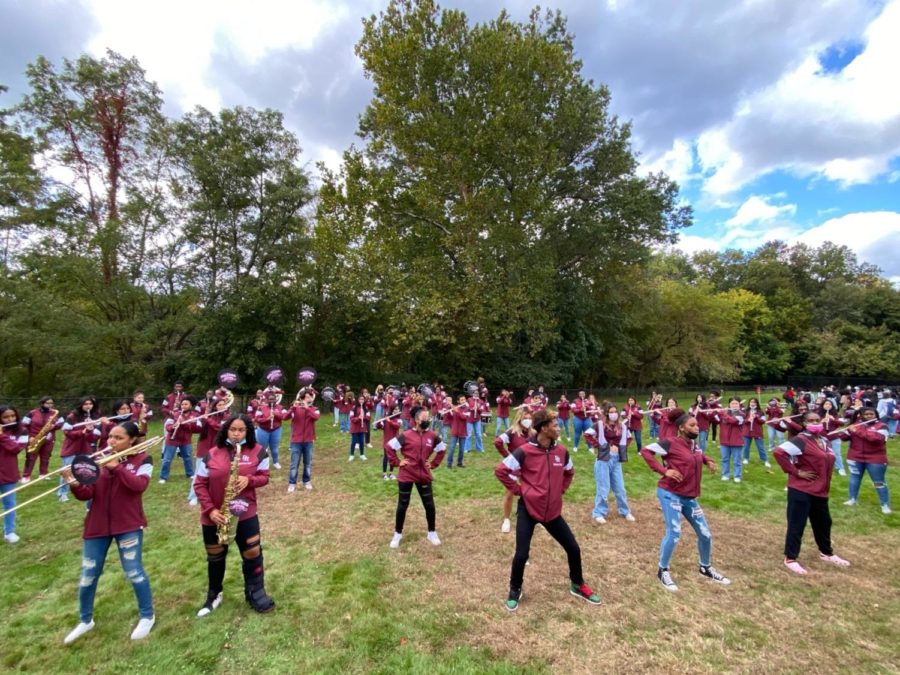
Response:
column 713, row 428
column 427, row 497
column 800, row 507
column 556, row 528
column 248, row 541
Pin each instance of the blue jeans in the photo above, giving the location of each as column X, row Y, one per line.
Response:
column 445, row 433
column 637, row 438
column 579, row 426
column 876, row 473
column 9, row 501
column 836, row 449
column 201, row 461
column 731, row 454
column 654, row 428
column 608, row 475
column 474, row 428
column 297, row 450
column 563, row 424
column 456, row 441
column 63, row 486
column 673, row 507
column 760, row 448
column 270, row 440
column 702, row 439
column 358, row 439
column 169, row 454
column 337, row 415
column 345, row 423
column 505, row 422
column 130, row 546
column 892, row 427
column 775, row 437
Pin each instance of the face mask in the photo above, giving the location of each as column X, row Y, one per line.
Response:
column 526, row 423
column 424, row 424
column 238, row 444
column 613, row 417
column 815, row 428
column 691, row 434
column 753, row 406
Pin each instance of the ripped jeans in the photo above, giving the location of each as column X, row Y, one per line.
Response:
column 673, row 507
column 94, row 558
column 876, row 473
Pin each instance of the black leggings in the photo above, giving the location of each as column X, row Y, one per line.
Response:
column 403, row 504
column 800, row 507
column 556, row 528
column 247, row 539
column 385, row 464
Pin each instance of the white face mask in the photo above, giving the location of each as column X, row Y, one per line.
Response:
column 613, row 417
column 526, row 423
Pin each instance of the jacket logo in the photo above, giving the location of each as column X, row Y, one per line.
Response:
column 557, row 459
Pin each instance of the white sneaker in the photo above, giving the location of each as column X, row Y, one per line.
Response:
column 885, row 509
column 395, row 542
column 291, row 488
column 193, row 502
column 143, row 628
column 277, row 465
column 393, row 477
column 162, row 481
column 368, row 445
column 630, row 518
column 505, row 527
column 64, row 498
column 364, row 458
column 307, row 485
column 591, row 450
column 385, row 477
column 25, row 480
column 600, row 520
column 737, row 480
column 841, row 472
column 77, row 632
column 574, row 449
column 351, row 458
column 726, row 478
column 12, row 538
column 746, row 462
column 433, row 538
column 850, row 502
column 768, row 465
column 212, row 603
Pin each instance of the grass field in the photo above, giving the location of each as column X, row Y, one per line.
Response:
column 348, row 604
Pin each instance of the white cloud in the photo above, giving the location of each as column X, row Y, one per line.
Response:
column 677, row 163
column 873, row 235
column 759, row 210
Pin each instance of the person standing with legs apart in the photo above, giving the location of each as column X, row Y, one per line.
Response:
column 80, row 434
column 776, row 435
column 504, row 401
column 209, row 431
column 731, row 441
column 179, row 428
column 580, row 418
column 236, row 467
column 680, row 462
column 391, row 427
column 831, row 421
column 303, row 416
column 459, row 430
column 808, row 460
column 43, row 418
column 13, row 440
column 539, row 473
column 868, row 454
column 359, row 422
column 611, row 438
column 117, row 512
column 634, row 420
column 563, row 411
column 421, row 451
column 507, row 442
column 268, row 418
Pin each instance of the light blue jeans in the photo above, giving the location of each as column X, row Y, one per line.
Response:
column 876, row 473
column 608, row 475
column 169, row 454
column 760, row 448
column 345, row 423
column 892, row 427
column 456, row 441
column 836, row 449
column 63, row 486
column 731, row 454
column 504, row 421
column 702, row 439
column 270, row 440
column 776, row 437
column 9, row 501
column 474, row 428
column 130, row 546
column 673, row 508
column 654, row 428
column 445, row 433
column 200, row 463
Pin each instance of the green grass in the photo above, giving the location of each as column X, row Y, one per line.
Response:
column 348, row 604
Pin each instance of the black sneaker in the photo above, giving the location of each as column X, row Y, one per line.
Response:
column 512, row 602
column 666, row 579
column 213, row 600
column 711, row 574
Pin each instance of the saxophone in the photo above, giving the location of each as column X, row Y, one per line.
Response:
column 38, row 440
column 226, row 532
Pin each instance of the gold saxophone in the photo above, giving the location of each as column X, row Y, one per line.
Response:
column 38, row 440
column 226, row 532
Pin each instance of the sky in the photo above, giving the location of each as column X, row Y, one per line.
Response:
column 779, row 119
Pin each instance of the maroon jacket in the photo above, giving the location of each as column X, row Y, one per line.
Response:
column 808, row 453
column 208, row 433
column 136, row 416
column 423, row 451
column 11, row 445
column 563, row 408
column 303, row 423
column 357, row 425
column 635, row 417
column 774, row 412
column 78, row 441
column 269, row 418
column 36, row 419
column 544, row 475
column 867, row 443
column 189, row 425
column 213, row 477
column 503, row 403
column 172, row 402
column 507, row 442
column 753, row 423
column 685, row 457
column 405, row 407
column 667, row 429
column 731, row 431
column 460, row 419
column 391, row 429
column 117, row 504
column 702, row 415
column 578, row 408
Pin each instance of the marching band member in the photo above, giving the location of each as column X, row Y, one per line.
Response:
column 474, row 440
column 235, row 446
column 611, row 436
column 504, row 401
column 714, row 401
column 116, row 512
column 808, row 461
column 391, row 428
column 654, row 403
column 562, row 413
column 79, row 440
column 172, row 402
column 379, row 401
column 752, row 431
column 580, row 421
column 359, row 419
column 369, row 405
column 774, row 412
column 13, row 440
column 34, row 421
column 666, row 429
column 681, row 464
column 422, row 451
column 179, row 427
column 256, row 401
column 634, row 419
column 544, row 471
column 731, row 442
column 409, row 400
column 831, row 420
column 868, row 453
column 268, row 418
column 140, row 412
column 702, row 413
column 121, row 412
column 507, row 442
column 345, row 405
column 445, row 416
column 303, row 416
column 209, row 431
column 459, row 432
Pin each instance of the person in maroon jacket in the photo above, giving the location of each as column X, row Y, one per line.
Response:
column 391, row 426
column 518, row 434
column 422, row 451
column 80, row 436
column 209, row 430
column 868, row 453
column 563, row 411
column 13, row 440
column 459, row 431
column 731, row 440
column 268, row 418
column 539, row 473
column 703, row 413
column 121, row 412
column 172, row 402
column 634, row 420
column 680, row 463
column 303, row 435
column 179, row 428
column 34, row 421
column 666, row 429
column 236, row 436
column 774, row 412
column 610, row 437
column 808, row 460
column 359, row 421
column 116, row 512
column 831, row 419
column 714, row 401
column 504, row 401
column 141, row 413
column 752, row 431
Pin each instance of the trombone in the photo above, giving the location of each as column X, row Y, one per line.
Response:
column 100, row 461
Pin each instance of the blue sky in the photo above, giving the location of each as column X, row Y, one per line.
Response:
column 779, row 119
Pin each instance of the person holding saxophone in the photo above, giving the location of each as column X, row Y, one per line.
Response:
column 226, row 488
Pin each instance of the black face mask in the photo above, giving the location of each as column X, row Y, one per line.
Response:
column 424, row 424
column 691, row 434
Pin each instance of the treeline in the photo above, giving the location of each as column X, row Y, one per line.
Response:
column 492, row 221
